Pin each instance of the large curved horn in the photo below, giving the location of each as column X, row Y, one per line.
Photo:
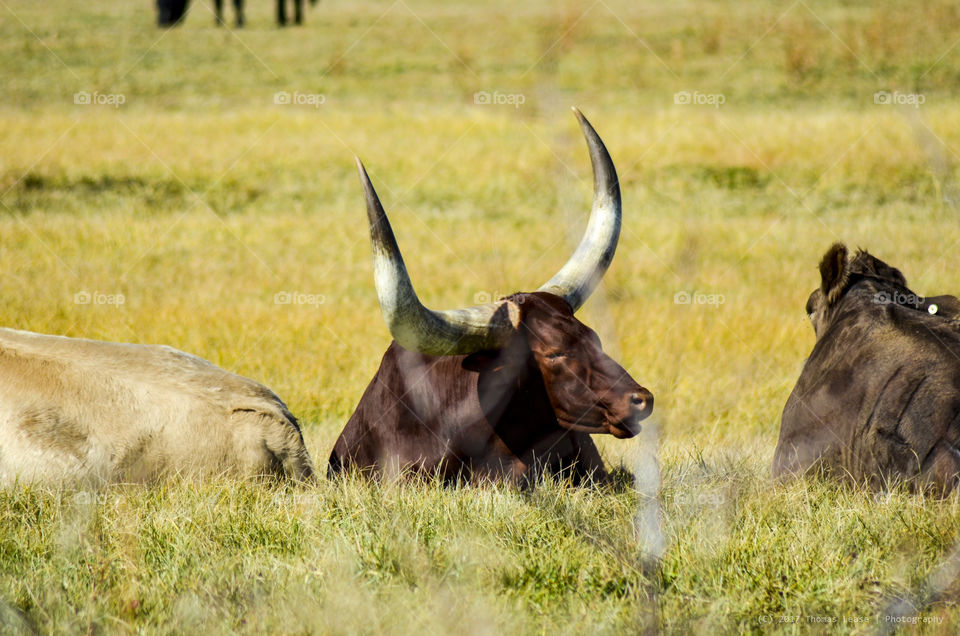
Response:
column 581, row 274
column 412, row 325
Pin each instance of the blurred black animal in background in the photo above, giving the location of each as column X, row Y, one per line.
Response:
column 297, row 11
column 170, row 12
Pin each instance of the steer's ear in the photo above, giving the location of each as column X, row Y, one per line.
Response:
column 833, row 273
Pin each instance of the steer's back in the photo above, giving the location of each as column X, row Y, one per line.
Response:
column 73, row 409
column 875, row 402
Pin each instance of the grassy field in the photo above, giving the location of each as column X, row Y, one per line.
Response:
column 748, row 137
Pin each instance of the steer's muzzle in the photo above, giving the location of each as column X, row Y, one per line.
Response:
column 638, row 406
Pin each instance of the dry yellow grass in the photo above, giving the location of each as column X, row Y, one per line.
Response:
column 200, row 200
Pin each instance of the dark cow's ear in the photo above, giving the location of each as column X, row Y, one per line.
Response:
column 833, row 273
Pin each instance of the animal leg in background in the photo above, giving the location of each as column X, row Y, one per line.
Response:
column 237, row 11
column 282, row 12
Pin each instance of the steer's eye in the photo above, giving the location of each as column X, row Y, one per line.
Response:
column 556, row 355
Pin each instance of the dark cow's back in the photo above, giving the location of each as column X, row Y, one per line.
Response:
column 878, row 399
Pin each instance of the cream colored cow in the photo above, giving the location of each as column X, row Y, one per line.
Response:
column 82, row 410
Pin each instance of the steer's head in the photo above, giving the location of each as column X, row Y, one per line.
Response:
column 588, row 391
column 864, row 282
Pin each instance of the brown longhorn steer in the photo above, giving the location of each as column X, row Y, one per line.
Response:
column 496, row 391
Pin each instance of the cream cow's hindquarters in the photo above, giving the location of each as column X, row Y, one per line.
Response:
column 82, row 410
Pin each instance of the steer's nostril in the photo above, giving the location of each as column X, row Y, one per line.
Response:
column 641, row 401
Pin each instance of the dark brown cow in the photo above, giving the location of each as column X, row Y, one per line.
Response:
column 878, row 399
column 496, row 391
